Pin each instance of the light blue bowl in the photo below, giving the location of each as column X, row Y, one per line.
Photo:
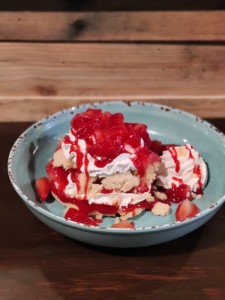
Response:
column 36, row 145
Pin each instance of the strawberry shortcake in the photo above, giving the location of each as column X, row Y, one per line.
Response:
column 105, row 166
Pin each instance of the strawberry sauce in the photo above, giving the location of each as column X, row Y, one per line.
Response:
column 198, row 172
column 80, row 217
column 178, row 193
column 174, row 155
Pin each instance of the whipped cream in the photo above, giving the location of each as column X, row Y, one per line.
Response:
column 183, row 164
column 120, row 164
column 122, row 199
column 71, row 188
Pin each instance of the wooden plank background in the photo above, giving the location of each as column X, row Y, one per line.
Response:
column 53, row 56
column 113, row 26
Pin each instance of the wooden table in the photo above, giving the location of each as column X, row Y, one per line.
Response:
column 38, row 263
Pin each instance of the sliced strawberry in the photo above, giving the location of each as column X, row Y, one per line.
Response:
column 43, row 188
column 92, row 113
column 141, row 129
column 108, row 142
column 116, row 120
column 124, row 224
column 133, row 139
column 185, row 210
column 156, row 146
column 105, row 118
column 85, row 123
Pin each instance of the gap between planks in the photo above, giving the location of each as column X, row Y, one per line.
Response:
column 14, row 110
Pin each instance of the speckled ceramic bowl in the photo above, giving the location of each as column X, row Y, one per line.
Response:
column 36, row 145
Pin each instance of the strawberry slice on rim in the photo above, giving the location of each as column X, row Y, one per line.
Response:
column 186, row 210
column 43, row 188
column 124, row 224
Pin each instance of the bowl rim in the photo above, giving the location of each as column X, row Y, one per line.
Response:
column 76, row 225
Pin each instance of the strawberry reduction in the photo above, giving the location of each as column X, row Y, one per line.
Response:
column 107, row 167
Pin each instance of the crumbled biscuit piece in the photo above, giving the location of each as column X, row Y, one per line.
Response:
column 149, row 197
column 161, row 209
column 117, row 220
column 123, row 182
column 59, row 160
column 160, row 195
column 138, row 211
column 95, row 190
column 156, row 166
column 126, row 216
column 151, row 171
column 196, row 196
column 115, row 199
column 96, row 214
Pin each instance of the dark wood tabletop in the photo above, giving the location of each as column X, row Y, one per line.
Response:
column 38, row 263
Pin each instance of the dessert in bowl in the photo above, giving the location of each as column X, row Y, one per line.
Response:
column 124, row 180
column 107, row 167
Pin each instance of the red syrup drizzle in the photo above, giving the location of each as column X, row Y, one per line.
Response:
column 105, row 191
column 190, row 153
column 80, row 160
column 75, row 179
column 143, row 158
column 197, row 171
column 143, row 204
column 174, row 155
column 87, row 174
column 179, row 180
column 79, row 155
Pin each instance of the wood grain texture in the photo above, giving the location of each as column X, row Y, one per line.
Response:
column 113, row 26
column 37, row 79
column 111, row 70
column 14, row 110
column 34, row 260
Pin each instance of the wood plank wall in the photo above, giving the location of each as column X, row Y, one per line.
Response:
column 57, row 54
